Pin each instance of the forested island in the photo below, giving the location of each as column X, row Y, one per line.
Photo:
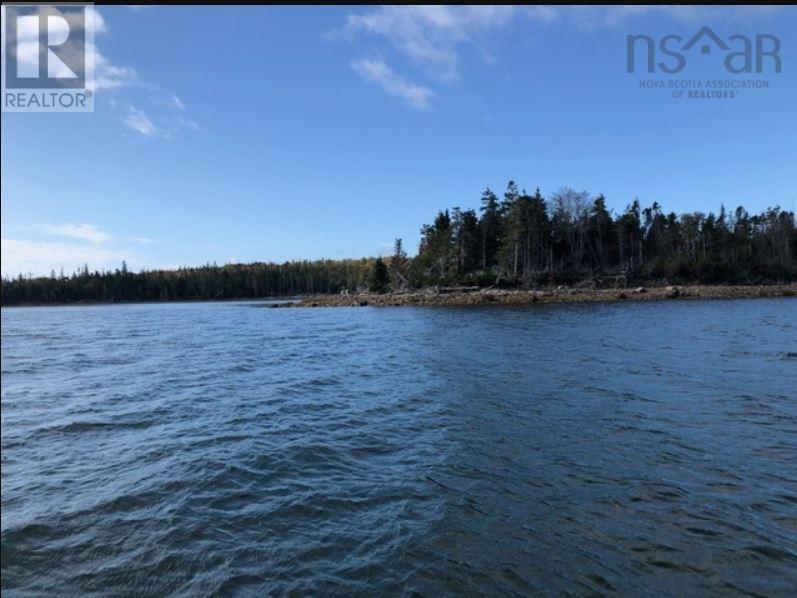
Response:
column 518, row 241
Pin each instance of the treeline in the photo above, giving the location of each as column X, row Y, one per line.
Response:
column 211, row 282
column 526, row 240
column 519, row 240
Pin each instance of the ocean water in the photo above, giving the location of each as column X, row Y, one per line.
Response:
column 225, row 449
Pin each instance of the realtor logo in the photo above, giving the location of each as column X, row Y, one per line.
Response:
column 740, row 53
column 47, row 61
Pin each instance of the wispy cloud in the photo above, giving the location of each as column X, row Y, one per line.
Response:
column 84, row 232
column 174, row 127
column 430, row 35
column 166, row 126
column 168, row 101
column 83, row 244
column 108, row 76
column 138, row 121
column 377, row 71
column 170, row 120
column 175, row 102
column 431, row 38
column 40, row 257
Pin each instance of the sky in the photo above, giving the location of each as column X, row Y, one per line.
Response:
column 239, row 134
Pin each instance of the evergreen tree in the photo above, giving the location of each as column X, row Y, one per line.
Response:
column 466, row 240
column 489, row 226
column 380, row 278
column 539, row 234
column 398, row 265
column 512, row 232
column 601, row 235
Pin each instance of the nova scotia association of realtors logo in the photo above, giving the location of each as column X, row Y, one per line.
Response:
column 47, row 58
column 734, row 57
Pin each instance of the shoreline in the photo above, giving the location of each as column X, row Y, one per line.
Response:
column 433, row 297
column 489, row 296
column 281, row 300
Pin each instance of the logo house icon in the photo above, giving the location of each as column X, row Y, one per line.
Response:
column 709, row 36
column 47, row 62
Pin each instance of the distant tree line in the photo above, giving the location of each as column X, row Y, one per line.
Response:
column 210, row 282
column 520, row 240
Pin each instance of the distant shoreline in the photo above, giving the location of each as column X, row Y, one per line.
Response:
column 433, row 297
column 85, row 303
column 489, row 296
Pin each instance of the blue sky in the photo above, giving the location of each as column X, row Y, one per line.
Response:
column 246, row 133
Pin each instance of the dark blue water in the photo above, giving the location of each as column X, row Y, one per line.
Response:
column 195, row 449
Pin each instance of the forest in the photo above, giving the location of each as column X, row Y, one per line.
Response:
column 519, row 240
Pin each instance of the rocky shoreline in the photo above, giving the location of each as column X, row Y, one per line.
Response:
column 455, row 297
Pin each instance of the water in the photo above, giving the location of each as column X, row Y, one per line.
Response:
column 196, row 449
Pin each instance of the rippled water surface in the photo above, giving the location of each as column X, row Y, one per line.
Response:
column 220, row 448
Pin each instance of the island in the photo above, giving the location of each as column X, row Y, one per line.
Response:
column 521, row 248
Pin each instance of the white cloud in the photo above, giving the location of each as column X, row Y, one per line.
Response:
column 432, row 37
column 169, row 121
column 109, row 76
column 175, row 102
column 84, row 232
column 377, row 71
column 39, row 257
column 163, row 126
column 106, row 75
column 168, row 100
column 138, row 121
column 94, row 19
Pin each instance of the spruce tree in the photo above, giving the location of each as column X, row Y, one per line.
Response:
column 398, row 265
column 489, row 225
column 380, row 278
